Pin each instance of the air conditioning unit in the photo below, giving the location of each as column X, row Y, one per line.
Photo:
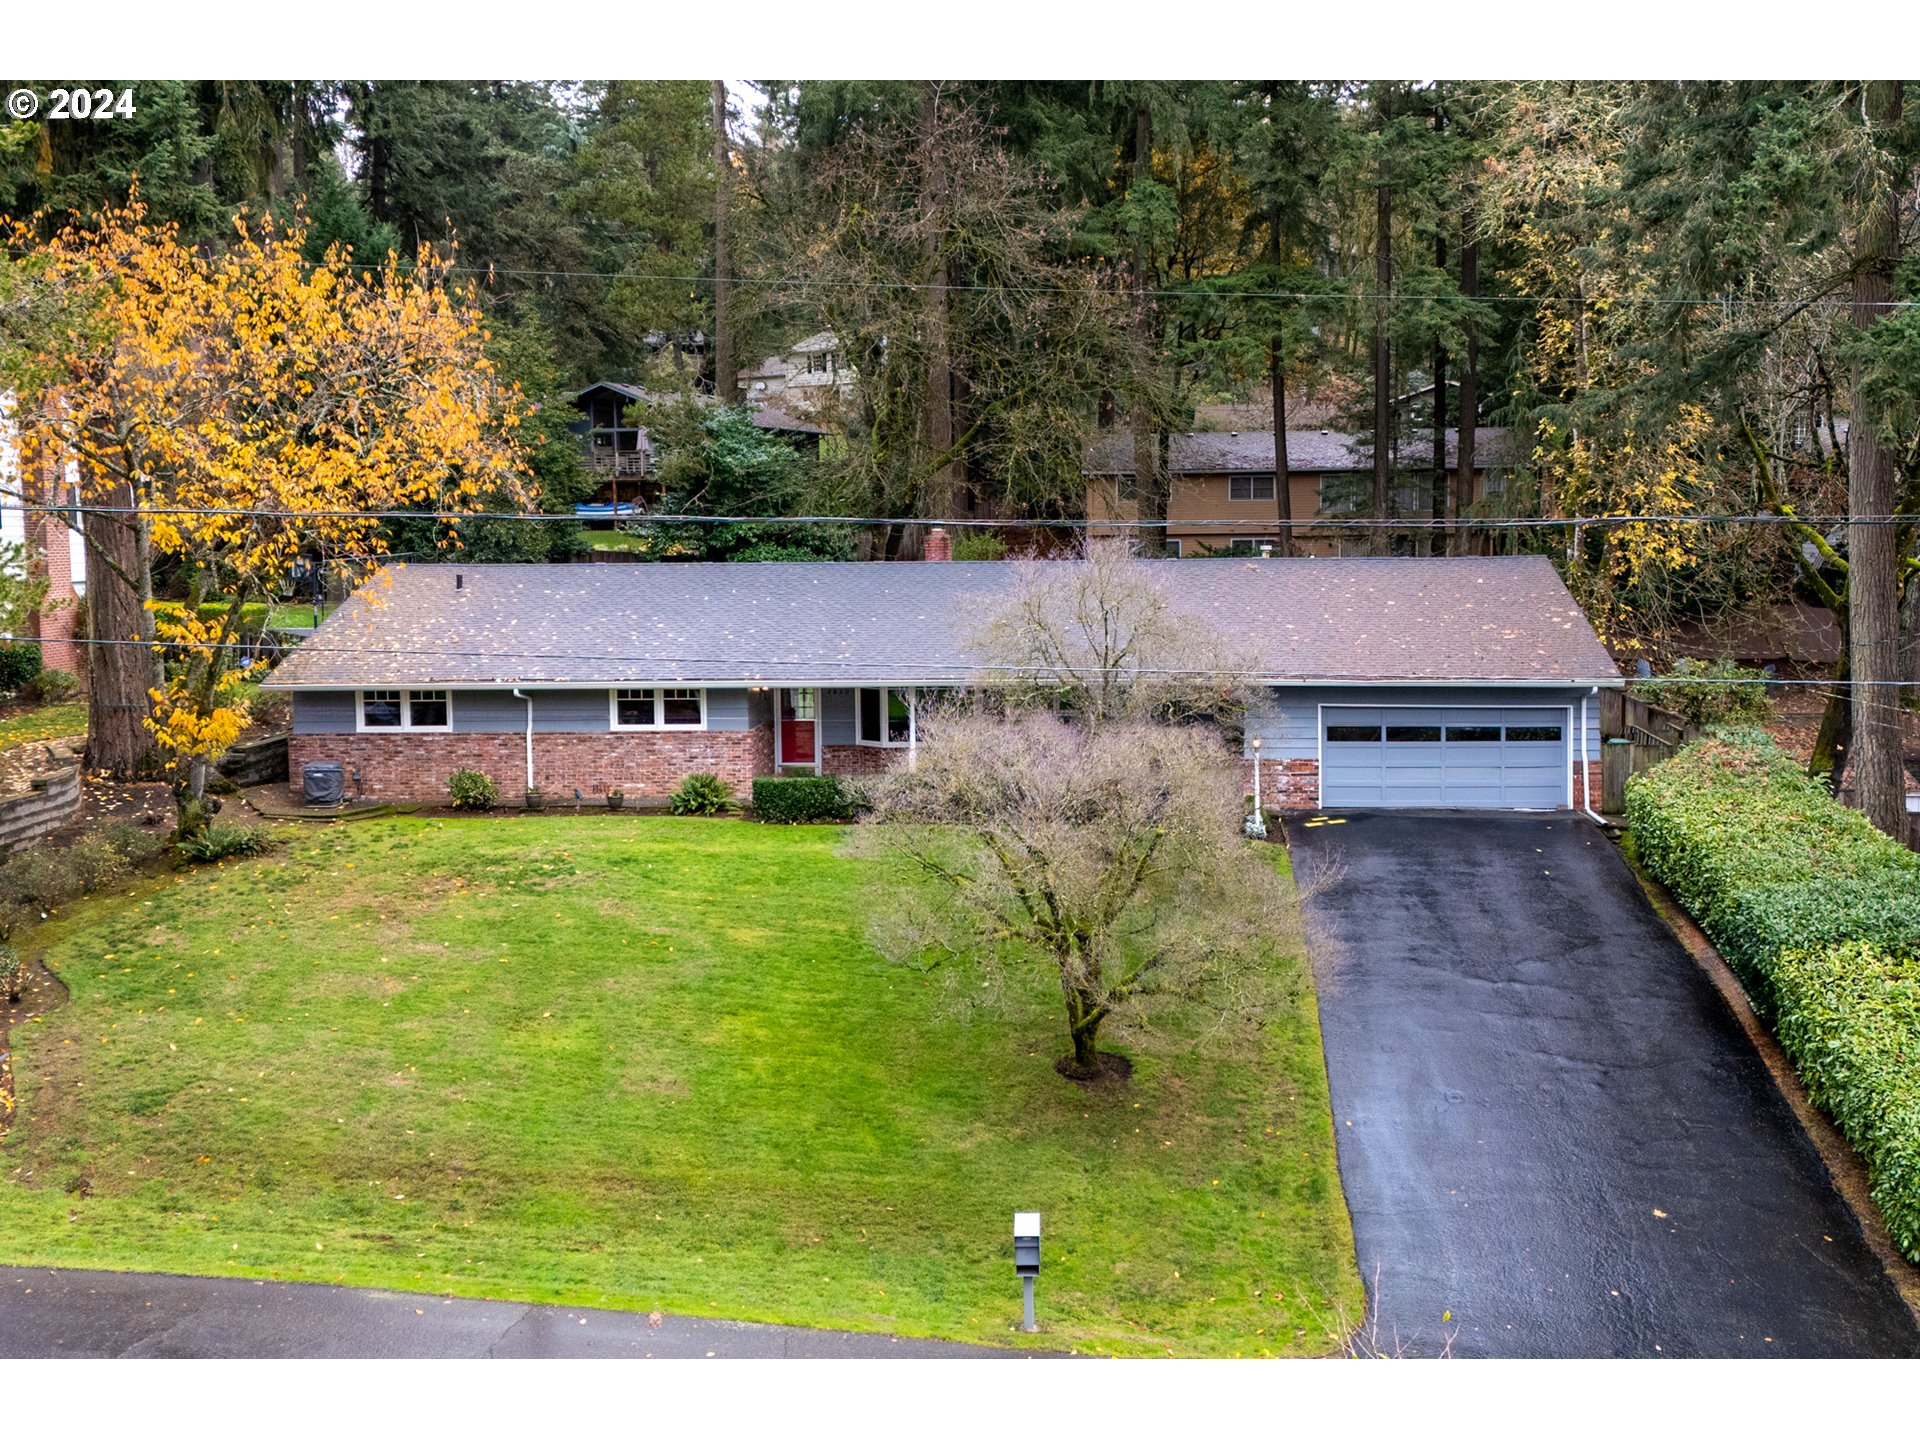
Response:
column 323, row 783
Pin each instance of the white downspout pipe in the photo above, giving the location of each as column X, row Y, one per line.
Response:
column 520, row 694
column 913, row 728
column 1586, row 806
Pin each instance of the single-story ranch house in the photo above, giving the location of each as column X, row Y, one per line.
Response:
column 1465, row 682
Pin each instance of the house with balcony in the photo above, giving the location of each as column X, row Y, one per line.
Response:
column 1224, row 496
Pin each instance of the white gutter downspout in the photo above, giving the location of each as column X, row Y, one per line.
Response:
column 520, row 694
column 913, row 728
column 1586, row 806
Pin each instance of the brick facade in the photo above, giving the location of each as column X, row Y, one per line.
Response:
column 851, row 760
column 647, row 765
column 54, row 622
column 1285, row 784
column 1588, row 771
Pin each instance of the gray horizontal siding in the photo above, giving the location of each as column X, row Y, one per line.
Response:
column 1289, row 727
column 322, row 712
column 492, row 712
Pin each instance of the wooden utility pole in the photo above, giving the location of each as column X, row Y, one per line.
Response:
column 1873, row 559
column 724, row 384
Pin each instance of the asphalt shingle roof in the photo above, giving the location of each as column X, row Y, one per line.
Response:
column 1506, row 618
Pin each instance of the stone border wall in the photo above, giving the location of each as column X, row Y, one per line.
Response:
column 50, row 801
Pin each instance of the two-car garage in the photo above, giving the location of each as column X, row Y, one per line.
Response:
column 1455, row 757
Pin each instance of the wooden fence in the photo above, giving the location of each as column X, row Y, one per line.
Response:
column 1634, row 736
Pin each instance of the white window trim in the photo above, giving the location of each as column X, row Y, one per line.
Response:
column 659, row 707
column 1171, row 545
column 1250, row 498
column 912, row 698
column 406, row 725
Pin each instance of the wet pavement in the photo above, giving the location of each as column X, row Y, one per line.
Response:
column 1554, row 1137
column 55, row 1313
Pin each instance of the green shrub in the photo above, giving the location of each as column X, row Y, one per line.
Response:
column 38, row 879
column 1710, row 694
column 472, row 790
column 701, row 795
column 1850, row 1018
column 50, row 687
column 223, row 842
column 1767, row 859
column 1818, row 914
column 792, row 799
column 980, row 547
column 19, row 665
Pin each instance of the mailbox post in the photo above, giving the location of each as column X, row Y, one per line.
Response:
column 1026, row 1261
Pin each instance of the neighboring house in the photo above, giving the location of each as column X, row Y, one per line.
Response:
column 53, row 538
column 1464, row 682
column 1223, row 493
column 615, row 447
column 802, row 379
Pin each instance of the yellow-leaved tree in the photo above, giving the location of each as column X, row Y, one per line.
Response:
column 231, row 412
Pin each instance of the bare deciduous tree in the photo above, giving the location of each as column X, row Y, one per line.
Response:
column 1110, row 855
column 1103, row 634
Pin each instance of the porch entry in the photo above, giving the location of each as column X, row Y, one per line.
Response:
column 799, row 737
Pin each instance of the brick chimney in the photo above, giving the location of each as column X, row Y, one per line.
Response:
column 939, row 545
column 53, row 623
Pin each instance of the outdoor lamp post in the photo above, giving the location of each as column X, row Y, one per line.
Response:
column 1257, row 822
column 1026, row 1261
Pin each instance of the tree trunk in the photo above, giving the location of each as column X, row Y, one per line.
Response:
column 1382, row 370
column 1151, row 485
column 938, row 492
column 118, row 586
column 1835, row 740
column 724, row 384
column 1438, row 500
column 1873, row 560
column 1469, row 392
column 1084, row 1016
column 1282, row 491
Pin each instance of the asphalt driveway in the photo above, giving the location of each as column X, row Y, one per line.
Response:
column 1552, row 1130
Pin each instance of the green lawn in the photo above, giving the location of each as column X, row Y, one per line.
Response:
column 287, row 616
column 49, row 722
column 616, row 540
column 648, row 1063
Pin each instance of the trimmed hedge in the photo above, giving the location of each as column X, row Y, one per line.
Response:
column 793, row 799
column 1818, row 914
column 1850, row 1018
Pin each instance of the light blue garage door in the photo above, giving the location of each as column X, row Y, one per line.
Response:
column 1448, row 756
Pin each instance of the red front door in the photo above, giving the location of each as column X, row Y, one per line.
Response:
column 797, row 720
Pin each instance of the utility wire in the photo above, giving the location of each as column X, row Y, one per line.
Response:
column 980, row 669
column 1325, row 522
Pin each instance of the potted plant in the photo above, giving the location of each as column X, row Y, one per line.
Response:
column 536, row 800
column 616, row 798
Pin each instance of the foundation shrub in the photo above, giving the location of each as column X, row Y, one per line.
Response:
column 472, row 790
column 701, row 795
column 794, row 799
column 1818, row 914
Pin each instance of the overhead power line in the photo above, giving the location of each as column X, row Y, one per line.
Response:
column 1323, row 522
column 980, row 669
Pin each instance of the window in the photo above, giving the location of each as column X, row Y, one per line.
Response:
column 659, row 709
column 1246, row 544
column 1172, row 548
column 426, row 710
column 1525, row 733
column 380, row 709
column 886, row 716
column 1473, row 734
column 1353, row 734
column 1343, row 494
column 1412, row 734
column 1250, row 487
column 404, row 710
